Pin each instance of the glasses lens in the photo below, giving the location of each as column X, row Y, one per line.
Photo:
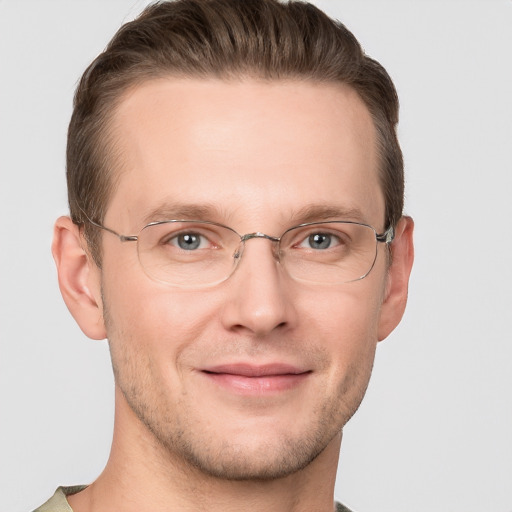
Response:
column 329, row 252
column 194, row 253
column 187, row 254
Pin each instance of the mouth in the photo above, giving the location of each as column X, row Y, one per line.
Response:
column 250, row 379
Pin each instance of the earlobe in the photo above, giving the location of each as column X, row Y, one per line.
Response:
column 395, row 298
column 79, row 278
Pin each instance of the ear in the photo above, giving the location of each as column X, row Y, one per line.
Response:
column 79, row 278
column 395, row 295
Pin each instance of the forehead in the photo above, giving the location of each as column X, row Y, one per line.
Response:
column 244, row 149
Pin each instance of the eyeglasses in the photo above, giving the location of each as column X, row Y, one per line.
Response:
column 197, row 253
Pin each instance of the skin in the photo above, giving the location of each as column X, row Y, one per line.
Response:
column 256, row 154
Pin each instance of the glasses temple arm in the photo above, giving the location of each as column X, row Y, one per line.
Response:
column 388, row 235
column 123, row 238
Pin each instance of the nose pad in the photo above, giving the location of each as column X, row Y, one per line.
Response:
column 276, row 251
column 237, row 255
column 239, row 251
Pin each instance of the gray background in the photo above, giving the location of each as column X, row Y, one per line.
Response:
column 435, row 430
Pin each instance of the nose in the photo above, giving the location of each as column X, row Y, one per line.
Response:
column 260, row 299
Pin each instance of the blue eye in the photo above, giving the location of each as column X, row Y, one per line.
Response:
column 320, row 241
column 320, row 238
column 188, row 241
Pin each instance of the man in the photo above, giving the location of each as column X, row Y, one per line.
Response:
column 236, row 232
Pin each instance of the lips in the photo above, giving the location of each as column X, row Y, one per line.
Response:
column 256, row 379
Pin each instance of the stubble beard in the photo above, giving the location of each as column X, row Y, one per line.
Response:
column 181, row 442
column 185, row 445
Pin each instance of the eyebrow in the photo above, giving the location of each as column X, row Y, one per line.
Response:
column 208, row 211
column 184, row 211
column 319, row 212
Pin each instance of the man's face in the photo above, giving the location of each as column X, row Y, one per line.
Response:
column 255, row 376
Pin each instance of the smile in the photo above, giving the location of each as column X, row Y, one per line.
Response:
column 251, row 379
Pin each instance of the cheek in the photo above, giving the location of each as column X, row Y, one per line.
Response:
column 347, row 324
column 152, row 318
column 345, row 315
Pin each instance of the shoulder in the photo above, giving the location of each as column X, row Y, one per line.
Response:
column 58, row 502
column 342, row 508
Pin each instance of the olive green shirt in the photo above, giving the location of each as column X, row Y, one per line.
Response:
column 59, row 503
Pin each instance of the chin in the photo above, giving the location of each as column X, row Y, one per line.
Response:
column 253, row 462
column 254, row 451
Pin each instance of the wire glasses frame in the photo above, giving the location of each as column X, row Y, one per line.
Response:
column 200, row 253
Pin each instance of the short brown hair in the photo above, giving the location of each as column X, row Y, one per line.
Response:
column 226, row 39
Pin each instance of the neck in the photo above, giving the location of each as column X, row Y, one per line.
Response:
column 141, row 476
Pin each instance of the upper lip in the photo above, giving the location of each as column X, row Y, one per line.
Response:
column 252, row 370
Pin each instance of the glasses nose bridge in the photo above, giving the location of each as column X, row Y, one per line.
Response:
column 243, row 238
column 258, row 234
